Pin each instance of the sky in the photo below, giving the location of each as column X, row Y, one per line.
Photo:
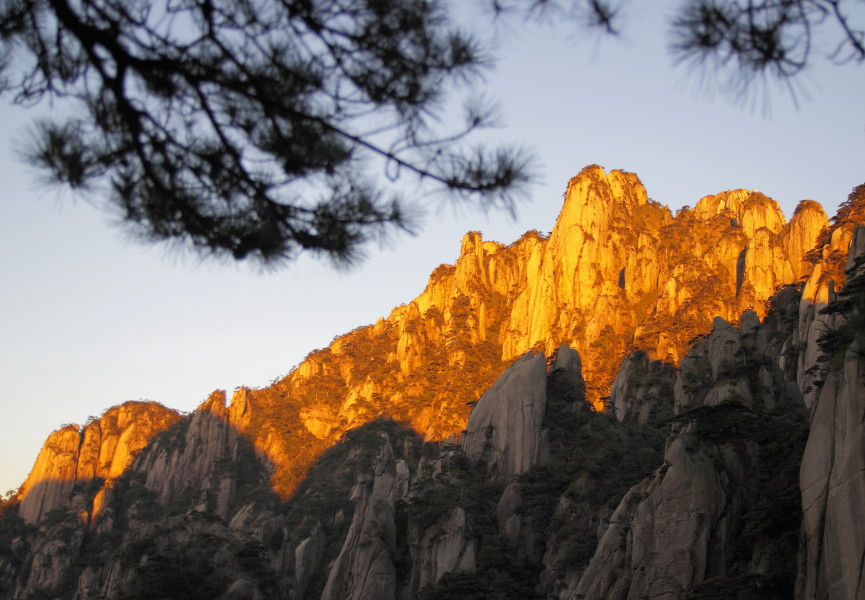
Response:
column 90, row 318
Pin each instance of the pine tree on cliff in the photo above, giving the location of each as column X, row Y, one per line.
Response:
column 850, row 212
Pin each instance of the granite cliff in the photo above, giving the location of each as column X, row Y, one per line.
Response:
column 619, row 272
column 832, row 478
column 73, row 458
column 639, row 405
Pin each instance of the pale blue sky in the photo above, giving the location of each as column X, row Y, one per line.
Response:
column 90, row 319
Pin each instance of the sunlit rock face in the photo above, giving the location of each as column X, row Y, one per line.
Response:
column 808, row 218
column 618, row 272
column 52, row 478
column 103, row 450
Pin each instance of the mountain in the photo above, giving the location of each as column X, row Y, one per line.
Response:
column 639, row 405
column 618, row 273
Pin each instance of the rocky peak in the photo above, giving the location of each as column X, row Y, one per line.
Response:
column 593, row 198
column 750, row 209
column 215, row 405
column 104, row 449
column 808, row 220
column 618, row 273
column 186, row 463
column 241, row 410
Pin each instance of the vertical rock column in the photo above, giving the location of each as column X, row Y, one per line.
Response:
column 505, row 426
column 364, row 569
column 832, row 477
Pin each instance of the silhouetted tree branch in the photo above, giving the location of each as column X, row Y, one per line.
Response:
column 252, row 127
column 262, row 127
column 741, row 41
column 748, row 40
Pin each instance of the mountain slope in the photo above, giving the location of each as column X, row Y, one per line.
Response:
column 618, row 273
column 498, row 477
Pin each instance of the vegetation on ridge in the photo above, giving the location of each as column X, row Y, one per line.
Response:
column 428, row 361
column 739, row 426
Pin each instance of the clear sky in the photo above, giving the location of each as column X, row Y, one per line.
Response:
column 90, row 319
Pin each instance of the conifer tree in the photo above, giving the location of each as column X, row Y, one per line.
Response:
column 262, row 128
column 252, row 127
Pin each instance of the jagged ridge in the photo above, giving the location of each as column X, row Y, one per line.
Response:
column 201, row 482
column 618, row 273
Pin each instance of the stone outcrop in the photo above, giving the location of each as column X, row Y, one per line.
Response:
column 642, row 388
column 679, row 529
column 446, row 547
column 364, row 569
column 833, row 467
column 103, row 450
column 820, row 289
column 667, row 534
column 505, row 426
column 618, row 272
column 50, row 560
column 505, row 429
column 188, row 460
column 307, row 558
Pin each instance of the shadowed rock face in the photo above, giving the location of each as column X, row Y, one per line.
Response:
column 641, row 386
column 444, row 548
column 505, row 426
column 505, row 429
column 833, row 467
column 364, row 569
column 172, row 469
column 722, row 511
column 675, row 533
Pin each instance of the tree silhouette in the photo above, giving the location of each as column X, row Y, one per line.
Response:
column 249, row 127
column 745, row 41
column 262, row 128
